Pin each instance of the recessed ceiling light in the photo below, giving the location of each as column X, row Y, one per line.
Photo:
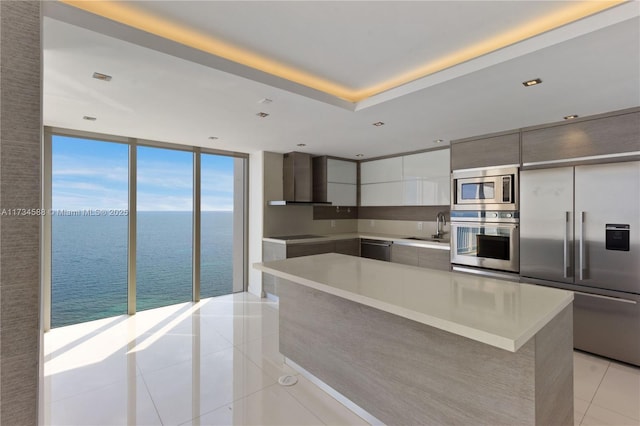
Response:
column 531, row 82
column 100, row 76
column 302, row 144
column 213, row 138
column 86, row 117
column 265, row 101
column 571, row 117
column 378, row 124
column 438, row 141
column 262, row 114
column 359, row 155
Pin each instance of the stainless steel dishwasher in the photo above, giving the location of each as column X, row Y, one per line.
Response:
column 375, row 249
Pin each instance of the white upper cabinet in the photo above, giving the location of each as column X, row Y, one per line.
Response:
column 430, row 164
column 339, row 171
column 411, row 180
column 342, row 194
column 426, row 178
column 378, row 171
column 381, row 194
column 426, row 192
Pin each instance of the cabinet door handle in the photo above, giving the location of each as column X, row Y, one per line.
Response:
column 567, row 217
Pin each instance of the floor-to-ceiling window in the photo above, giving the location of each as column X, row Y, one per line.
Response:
column 88, row 230
column 165, row 227
column 217, row 242
column 183, row 239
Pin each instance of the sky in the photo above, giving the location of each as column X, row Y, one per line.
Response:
column 89, row 175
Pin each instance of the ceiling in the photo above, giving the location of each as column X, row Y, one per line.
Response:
column 163, row 90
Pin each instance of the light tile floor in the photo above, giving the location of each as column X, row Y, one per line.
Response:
column 217, row 363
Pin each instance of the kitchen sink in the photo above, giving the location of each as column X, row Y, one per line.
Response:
column 434, row 240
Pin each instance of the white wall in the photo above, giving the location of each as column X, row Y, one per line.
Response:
column 256, row 211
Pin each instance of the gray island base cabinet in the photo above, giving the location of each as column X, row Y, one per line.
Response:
column 405, row 372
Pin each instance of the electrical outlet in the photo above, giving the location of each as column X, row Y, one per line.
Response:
column 419, row 226
column 333, row 223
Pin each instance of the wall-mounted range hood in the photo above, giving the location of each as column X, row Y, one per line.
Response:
column 297, row 176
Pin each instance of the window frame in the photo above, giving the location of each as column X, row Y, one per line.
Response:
column 241, row 184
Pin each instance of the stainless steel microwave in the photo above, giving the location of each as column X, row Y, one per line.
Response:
column 485, row 189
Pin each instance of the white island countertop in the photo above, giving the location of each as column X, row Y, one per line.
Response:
column 499, row 313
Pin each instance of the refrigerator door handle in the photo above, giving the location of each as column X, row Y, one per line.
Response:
column 581, row 246
column 566, row 244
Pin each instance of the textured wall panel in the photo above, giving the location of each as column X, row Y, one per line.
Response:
column 20, row 188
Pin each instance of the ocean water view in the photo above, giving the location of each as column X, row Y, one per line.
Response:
column 89, row 262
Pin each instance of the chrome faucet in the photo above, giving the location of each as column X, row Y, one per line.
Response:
column 441, row 220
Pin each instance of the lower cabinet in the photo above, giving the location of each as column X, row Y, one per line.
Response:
column 421, row 256
column 407, row 255
column 277, row 251
column 434, row 258
column 308, row 249
column 350, row 246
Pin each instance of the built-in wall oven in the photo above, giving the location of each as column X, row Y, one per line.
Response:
column 485, row 189
column 486, row 239
column 485, row 232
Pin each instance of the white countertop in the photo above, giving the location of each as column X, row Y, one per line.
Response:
column 332, row 237
column 499, row 313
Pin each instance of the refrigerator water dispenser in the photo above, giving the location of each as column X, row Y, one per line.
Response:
column 617, row 237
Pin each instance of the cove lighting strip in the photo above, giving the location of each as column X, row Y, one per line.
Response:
column 130, row 16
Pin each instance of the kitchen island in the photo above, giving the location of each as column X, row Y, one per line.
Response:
column 413, row 346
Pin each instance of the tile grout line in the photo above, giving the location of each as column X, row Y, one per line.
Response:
column 146, row 386
column 584, row 416
column 234, row 400
column 289, row 391
column 244, row 396
column 600, row 383
column 610, row 408
column 309, row 409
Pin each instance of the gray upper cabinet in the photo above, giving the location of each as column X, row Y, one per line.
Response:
column 486, row 151
column 608, row 135
column 335, row 181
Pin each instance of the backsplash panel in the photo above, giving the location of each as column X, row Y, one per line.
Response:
column 334, row 212
column 415, row 213
column 408, row 228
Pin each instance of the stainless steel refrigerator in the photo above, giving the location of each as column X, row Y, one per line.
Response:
column 580, row 230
